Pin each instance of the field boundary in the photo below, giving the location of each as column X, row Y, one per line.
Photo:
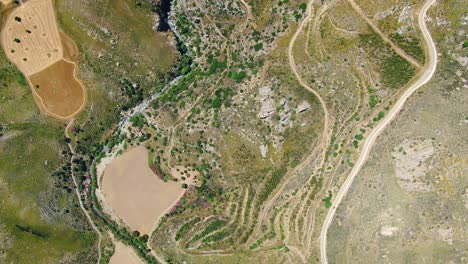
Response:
column 41, row 101
column 37, row 98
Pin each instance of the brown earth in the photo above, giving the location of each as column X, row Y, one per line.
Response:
column 70, row 50
column 135, row 193
column 123, row 254
column 59, row 92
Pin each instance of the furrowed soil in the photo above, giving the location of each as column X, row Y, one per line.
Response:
column 30, row 37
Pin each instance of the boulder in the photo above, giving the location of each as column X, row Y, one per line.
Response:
column 302, row 107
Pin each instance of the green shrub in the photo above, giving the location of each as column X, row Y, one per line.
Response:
column 238, row 76
column 372, row 101
column 303, row 7
column 327, row 200
column 258, row 46
column 138, row 120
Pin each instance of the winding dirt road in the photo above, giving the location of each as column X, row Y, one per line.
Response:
column 293, row 66
column 425, row 76
column 77, row 192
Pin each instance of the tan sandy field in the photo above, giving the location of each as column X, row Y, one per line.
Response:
column 5, row 2
column 123, row 254
column 31, row 40
column 135, row 193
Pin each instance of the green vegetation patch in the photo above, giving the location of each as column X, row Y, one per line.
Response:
column 327, row 200
column 270, row 185
column 396, row 71
column 213, row 226
column 237, row 76
column 186, row 227
column 28, row 197
column 138, row 120
column 410, row 45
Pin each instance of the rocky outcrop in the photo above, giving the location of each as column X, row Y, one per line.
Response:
column 267, row 107
column 302, row 107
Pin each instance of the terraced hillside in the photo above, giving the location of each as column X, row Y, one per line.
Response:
column 271, row 112
column 258, row 110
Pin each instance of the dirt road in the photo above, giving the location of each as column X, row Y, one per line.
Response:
column 325, row 133
column 425, row 76
column 397, row 49
column 91, row 222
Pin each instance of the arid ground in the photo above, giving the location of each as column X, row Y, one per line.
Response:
column 135, row 193
column 124, row 255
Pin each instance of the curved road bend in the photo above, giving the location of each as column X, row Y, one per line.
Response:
column 428, row 72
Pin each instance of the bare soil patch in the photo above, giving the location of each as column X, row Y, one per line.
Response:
column 135, row 193
column 124, row 255
column 59, row 92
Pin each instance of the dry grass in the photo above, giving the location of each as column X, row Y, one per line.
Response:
column 30, row 37
column 135, row 193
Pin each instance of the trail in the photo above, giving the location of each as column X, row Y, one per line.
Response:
column 325, row 134
column 397, row 49
column 247, row 7
column 293, row 66
column 90, row 220
column 429, row 70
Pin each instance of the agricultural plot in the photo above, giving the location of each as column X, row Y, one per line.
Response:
column 31, row 40
column 135, row 193
column 53, row 85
